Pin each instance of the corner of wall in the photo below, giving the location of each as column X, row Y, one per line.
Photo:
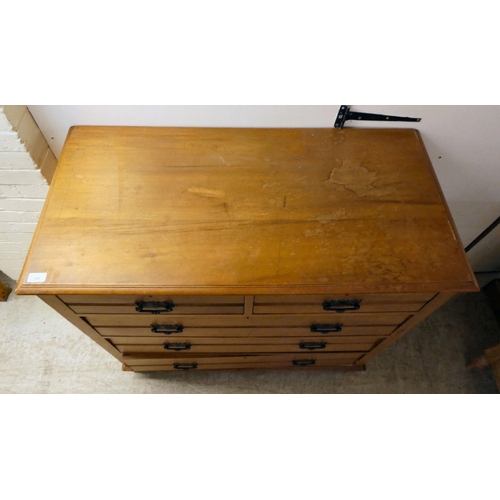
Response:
column 27, row 165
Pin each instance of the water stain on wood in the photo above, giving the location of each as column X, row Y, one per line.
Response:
column 356, row 178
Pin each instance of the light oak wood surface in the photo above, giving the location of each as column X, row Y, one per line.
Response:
column 245, row 211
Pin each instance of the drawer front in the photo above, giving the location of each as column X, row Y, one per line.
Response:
column 132, row 299
column 160, row 310
column 156, row 305
column 269, row 320
column 366, row 297
column 352, row 304
column 128, row 345
column 336, row 308
column 319, row 364
column 206, row 361
column 239, row 335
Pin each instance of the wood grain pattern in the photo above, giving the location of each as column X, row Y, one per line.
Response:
column 245, row 211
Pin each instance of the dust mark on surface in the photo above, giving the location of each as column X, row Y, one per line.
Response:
column 270, row 184
column 356, row 178
column 224, row 161
column 206, row 192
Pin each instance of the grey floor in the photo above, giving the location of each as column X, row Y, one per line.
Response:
column 40, row 352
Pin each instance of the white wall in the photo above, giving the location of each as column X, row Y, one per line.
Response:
column 23, row 188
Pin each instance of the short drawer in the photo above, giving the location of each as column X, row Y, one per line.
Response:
column 366, row 303
column 239, row 345
column 200, row 361
column 179, row 331
column 157, row 305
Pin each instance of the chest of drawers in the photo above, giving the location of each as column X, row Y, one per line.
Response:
column 192, row 249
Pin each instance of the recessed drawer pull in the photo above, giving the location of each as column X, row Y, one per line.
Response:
column 303, row 362
column 326, row 328
column 341, row 305
column 167, row 329
column 312, row 345
column 154, row 307
column 185, row 366
column 177, row 346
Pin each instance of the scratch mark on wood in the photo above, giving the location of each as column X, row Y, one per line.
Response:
column 206, row 192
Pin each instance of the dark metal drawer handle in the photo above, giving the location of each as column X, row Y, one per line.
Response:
column 303, row 362
column 312, row 345
column 341, row 305
column 326, row 328
column 154, row 307
column 167, row 329
column 185, row 366
column 177, row 346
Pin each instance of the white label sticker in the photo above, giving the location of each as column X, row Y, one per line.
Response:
column 36, row 278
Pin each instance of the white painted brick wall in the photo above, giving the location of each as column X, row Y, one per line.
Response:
column 23, row 188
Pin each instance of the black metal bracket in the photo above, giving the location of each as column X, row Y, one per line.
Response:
column 345, row 114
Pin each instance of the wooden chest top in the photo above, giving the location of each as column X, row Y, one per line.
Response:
column 244, row 211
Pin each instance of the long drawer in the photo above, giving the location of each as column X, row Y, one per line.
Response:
column 256, row 365
column 248, row 345
column 276, row 320
column 184, row 361
column 239, row 335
